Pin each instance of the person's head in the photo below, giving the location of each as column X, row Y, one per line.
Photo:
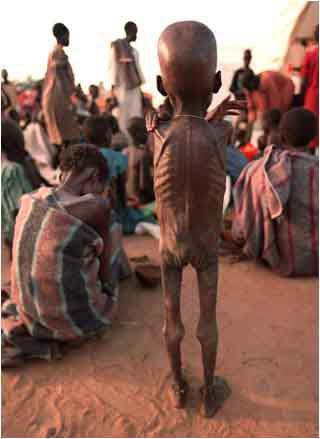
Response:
column 316, row 34
column 298, row 127
column 61, row 33
column 187, row 54
column 94, row 91
column 247, row 57
column 131, row 31
column 110, row 104
column 250, row 81
column 271, row 120
column 4, row 75
column 97, row 130
column 84, row 165
column 12, row 141
column 137, row 130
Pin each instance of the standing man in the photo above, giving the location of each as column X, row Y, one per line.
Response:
column 236, row 84
column 126, row 77
column 310, row 82
column 237, row 90
column 58, row 88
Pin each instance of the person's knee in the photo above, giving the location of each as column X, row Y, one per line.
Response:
column 207, row 332
column 173, row 332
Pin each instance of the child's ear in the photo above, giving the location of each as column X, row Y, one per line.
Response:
column 217, row 83
column 160, row 86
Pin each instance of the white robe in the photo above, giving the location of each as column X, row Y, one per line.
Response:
column 129, row 101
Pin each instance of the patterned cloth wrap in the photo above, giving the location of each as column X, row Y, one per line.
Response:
column 277, row 211
column 55, row 284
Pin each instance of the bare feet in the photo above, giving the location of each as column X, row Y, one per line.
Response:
column 214, row 397
column 178, row 394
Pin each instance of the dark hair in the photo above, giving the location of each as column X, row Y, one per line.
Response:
column 137, row 130
column 97, row 130
column 79, row 157
column 298, row 127
column 130, row 26
column 113, row 123
column 94, row 89
column 250, row 81
column 59, row 29
column 12, row 141
column 272, row 117
column 248, row 52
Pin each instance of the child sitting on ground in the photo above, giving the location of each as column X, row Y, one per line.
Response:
column 270, row 124
column 139, row 181
column 97, row 130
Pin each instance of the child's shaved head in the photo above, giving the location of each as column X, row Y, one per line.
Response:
column 298, row 127
column 187, row 53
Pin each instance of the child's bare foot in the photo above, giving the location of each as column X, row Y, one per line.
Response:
column 214, row 397
column 178, row 394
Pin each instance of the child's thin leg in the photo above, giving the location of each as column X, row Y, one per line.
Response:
column 173, row 327
column 215, row 390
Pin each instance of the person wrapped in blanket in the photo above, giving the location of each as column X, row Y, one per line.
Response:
column 65, row 268
column 276, row 201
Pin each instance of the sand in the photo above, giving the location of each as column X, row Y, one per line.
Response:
column 117, row 386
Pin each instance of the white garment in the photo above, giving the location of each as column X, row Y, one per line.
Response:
column 40, row 149
column 129, row 101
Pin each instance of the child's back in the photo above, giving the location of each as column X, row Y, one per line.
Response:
column 189, row 167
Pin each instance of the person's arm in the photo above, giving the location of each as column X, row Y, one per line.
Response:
column 112, row 68
column 137, row 61
column 96, row 212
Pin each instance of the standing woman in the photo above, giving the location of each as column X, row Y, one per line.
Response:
column 58, row 88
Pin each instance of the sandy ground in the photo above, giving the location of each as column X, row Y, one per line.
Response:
column 117, row 386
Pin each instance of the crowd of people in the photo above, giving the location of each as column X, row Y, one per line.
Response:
column 77, row 174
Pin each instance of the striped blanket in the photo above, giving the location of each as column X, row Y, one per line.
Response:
column 276, row 211
column 54, row 282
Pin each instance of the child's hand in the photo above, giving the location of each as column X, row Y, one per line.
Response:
column 153, row 117
column 226, row 108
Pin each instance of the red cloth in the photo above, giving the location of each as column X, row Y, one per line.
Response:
column 275, row 91
column 310, row 71
column 249, row 151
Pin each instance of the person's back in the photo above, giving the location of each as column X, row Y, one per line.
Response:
column 60, row 275
column 298, row 234
column 277, row 203
column 278, row 90
column 189, row 172
column 139, row 181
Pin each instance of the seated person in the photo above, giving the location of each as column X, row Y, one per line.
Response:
column 276, row 201
column 63, row 284
column 19, row 176
column 98, row 131
column 139, row 180
column 118, row 141
column 236, row 161
column 14, row 183
column 270, row 125
column 13, row 139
